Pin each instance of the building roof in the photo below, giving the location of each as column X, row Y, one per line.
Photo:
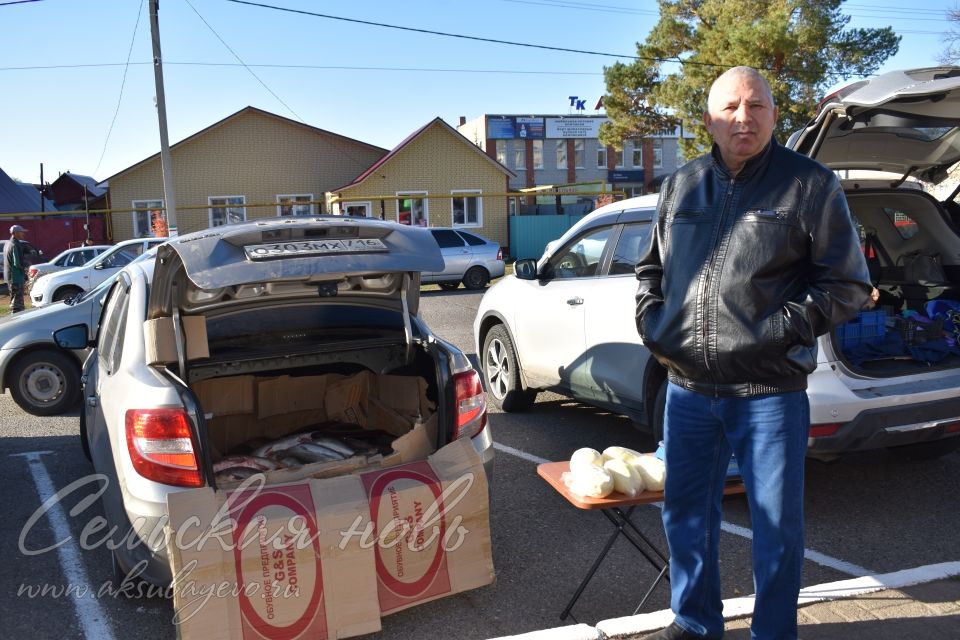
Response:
column 219, row 123
column 20, row 198
column 92, row 186
column 413, row 136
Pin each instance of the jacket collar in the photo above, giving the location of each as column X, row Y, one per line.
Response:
column 750, row 167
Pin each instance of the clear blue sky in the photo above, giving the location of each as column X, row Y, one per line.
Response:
column 62, row 64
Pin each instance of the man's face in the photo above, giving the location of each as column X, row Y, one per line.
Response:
column 740, row 117
column 20, row 235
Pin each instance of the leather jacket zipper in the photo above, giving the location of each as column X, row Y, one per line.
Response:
column 705, row 302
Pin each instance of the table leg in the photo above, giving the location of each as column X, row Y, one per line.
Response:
column 589, row 576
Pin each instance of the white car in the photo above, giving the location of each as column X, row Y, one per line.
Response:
column 60, row 285
column 75, row 257
column 890, row 379
column 280, row 303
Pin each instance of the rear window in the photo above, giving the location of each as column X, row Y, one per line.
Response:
column 471, row 239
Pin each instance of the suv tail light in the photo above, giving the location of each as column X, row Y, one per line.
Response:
column 161, row 447
column 500, row 253
column 471, row 405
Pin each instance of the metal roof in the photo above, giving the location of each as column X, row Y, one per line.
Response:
column 17, row 198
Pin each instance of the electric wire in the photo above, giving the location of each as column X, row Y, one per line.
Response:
column 123, row 83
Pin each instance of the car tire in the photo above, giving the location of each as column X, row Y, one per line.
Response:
column 501, row 372
column 45, row 383
column 476, row 278
column 927, row 450
column 448, row 286
column 65, row 292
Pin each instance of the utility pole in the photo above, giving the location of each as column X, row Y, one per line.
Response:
column 165, row 163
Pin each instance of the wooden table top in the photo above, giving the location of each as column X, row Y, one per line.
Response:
column 552, row 472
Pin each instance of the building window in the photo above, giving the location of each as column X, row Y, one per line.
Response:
column 578, row 154
column 519, row 155
column 657, row 153
column 143, row 226
column 295, row 205
column 226, row 210
column 561, row 154
column 538, row 154
column 618, row 157
column 356, row 209
column 637, row 156
column 467, row 208
column 412, row 210
column 502, row 152
column 601, row 157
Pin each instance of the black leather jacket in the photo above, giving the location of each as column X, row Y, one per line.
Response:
column 743, row 273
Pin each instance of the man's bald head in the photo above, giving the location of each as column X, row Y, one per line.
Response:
column 738, row 72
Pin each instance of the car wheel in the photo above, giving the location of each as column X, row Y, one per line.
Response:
column 927, row 450
column 448, row 286
column 476, row 278
column 45, row 383
column 66, row 292
column 501, row 372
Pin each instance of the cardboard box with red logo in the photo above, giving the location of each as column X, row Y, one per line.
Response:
column 327, row 557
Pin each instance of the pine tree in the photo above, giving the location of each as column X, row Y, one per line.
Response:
column 801, row 46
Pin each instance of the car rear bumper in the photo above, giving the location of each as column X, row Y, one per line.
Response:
column 891, row 427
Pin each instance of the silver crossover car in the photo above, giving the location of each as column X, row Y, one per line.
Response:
column 265, row 313
column 888, row 379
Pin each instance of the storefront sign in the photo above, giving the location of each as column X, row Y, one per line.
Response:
column 574, row 127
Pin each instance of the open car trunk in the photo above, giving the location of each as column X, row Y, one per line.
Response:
column 313, row 390
column 915, row 325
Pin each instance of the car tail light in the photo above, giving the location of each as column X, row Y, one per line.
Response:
column 471, row 405
column 824, row 430
column 953, row 427
column 161, row 447
column 32, row 273
column 500, row 253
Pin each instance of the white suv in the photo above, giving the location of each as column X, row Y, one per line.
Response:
column 888, row 379
column 60, row 285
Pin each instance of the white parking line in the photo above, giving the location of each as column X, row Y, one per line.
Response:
column 92, row 619
column 811, row 555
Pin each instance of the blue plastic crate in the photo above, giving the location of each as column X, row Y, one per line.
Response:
column 870, row 327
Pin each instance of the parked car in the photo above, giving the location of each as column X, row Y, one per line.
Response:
column 566, row 321
column 75, row 257
column 283, row 297
column 64, row 284
column 42, row 377
column 468, row 257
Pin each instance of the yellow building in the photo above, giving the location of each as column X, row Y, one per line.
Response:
column 435, row 178
column 252, row 164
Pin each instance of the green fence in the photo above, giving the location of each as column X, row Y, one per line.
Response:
column 529, row 235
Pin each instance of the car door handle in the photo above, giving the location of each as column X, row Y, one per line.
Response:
column 92, row 401
column 575, row 301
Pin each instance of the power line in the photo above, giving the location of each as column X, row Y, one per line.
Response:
column 123, row 83
column 234, row 53
column 13, row 2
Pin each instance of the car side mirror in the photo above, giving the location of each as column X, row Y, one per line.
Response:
column 99, row 265
column 525, row 269
column 72, row 337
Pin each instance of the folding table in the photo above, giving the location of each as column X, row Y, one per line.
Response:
column 617, row 508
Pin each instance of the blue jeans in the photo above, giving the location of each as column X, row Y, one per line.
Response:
column 768, row 436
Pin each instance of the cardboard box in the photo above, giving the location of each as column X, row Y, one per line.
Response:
column 160, row 343
column 225, row 396
column 291, row 394
column 378, row 542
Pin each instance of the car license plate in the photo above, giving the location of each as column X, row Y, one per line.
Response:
column 313, row 247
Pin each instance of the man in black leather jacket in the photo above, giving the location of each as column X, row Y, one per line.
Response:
column 754, row 255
